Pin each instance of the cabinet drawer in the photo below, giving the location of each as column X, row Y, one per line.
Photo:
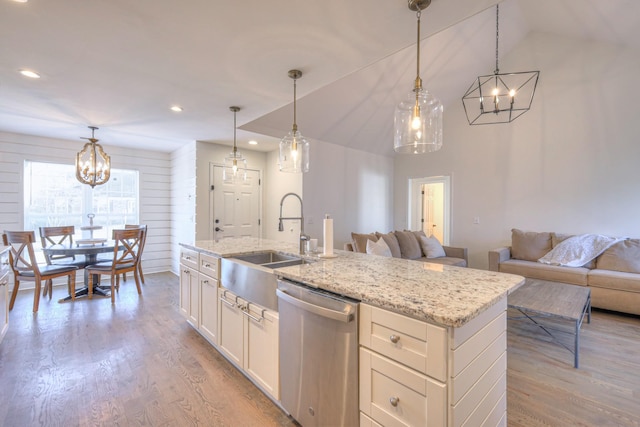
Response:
column 393, row 395
column 209, row 265
column 416, row 344
column 189, row 258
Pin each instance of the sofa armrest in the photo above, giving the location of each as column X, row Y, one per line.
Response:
column 348, row 247
column 453, row 252
column 496, row 256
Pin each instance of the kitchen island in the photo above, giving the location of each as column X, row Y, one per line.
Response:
column 432, row 337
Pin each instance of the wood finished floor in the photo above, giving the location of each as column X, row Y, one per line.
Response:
column 138, row 363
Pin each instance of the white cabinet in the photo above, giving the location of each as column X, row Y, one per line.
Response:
column 402, row 369
column 231, row 336
column 249, row 337
column 4, row 291
column 198, row 292
column 208, row 298
column 417, row 373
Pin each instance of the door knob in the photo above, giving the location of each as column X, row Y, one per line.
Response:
column 219, row 229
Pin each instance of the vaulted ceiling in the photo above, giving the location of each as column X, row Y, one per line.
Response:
column 120, row 64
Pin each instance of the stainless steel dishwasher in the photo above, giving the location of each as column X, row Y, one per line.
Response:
column 318, row 355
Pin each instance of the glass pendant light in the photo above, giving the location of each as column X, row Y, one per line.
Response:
column 499, row 98
column 93, row 166
column 418, row 118
column 235, row 166
column 294, row 148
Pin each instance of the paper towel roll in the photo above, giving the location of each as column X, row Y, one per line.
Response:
column 328, row 235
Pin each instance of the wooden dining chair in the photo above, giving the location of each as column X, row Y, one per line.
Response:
column 25, row 267
column 126, row 255
column 144, row 240
column 62, row 235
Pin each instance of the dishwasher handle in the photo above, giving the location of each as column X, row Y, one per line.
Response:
column 316, row 309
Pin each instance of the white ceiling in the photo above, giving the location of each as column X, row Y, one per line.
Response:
column 120, row 64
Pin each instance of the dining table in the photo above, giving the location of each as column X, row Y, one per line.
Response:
column 90, row 252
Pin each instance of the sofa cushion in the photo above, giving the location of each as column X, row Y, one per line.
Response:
column 446, row 260
column 409, row 246
column 360, row 241
column 554, row 273
column 431, row 247
column 623, row 256
column 378, row 248
column 556, row 238
column 618, row 280
column 392, row 241
column 529, row 245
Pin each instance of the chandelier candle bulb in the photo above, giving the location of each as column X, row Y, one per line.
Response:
column 327, row 235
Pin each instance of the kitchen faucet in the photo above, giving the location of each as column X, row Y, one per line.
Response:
column 303, row 237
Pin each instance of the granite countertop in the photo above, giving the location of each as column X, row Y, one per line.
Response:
column 445, row 295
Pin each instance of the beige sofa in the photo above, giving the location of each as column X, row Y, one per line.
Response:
column 613, row 276
column 411, row 245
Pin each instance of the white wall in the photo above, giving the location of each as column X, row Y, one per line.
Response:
column 354, row 187
column 154, row 176
column 183, row 200
column 207, row 153
column 570, row 164
column 277, row 184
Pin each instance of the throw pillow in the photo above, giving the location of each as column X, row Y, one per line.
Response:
column 409, row 246
column 360, row 241
column 431, row 247
column 623, row 256
column 529, row 245
column 378, row 248
column 391, row 241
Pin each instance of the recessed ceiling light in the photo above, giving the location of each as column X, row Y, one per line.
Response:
column 252, row 142
column 20, row 1
column 176, row 108
column 30, row 74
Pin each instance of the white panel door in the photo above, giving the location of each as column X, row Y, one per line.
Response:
column 235, row 207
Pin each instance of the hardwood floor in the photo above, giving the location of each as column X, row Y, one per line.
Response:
column 136, row 363
column 139, row 363
column 543, row 388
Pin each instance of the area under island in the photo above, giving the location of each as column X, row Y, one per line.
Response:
column 432, row 338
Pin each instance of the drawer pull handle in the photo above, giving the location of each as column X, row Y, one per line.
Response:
column 207, row 265
column 394, row 401
column 394, row 339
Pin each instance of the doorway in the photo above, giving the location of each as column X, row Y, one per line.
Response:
column 234, row 208
column 430, row 206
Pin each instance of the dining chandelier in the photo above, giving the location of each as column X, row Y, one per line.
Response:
column 235, row 166
column 418, row 118
column 93, row 165
column 499, row 97
column 294, row 148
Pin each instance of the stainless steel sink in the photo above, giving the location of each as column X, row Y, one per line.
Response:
column 251, row 276
column 266, row 257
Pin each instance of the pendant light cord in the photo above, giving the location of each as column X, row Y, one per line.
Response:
column 295, row 126
column 418, row 79
column 235, row 149
column 497, row 15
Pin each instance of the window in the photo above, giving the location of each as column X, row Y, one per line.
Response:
column 53, row 197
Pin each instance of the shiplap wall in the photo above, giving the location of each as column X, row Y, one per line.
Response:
column 155, row 186
column 183, row 200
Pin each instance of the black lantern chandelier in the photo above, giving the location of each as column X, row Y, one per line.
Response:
column 499, row 97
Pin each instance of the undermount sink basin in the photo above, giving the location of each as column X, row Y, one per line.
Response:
column 267, row 258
